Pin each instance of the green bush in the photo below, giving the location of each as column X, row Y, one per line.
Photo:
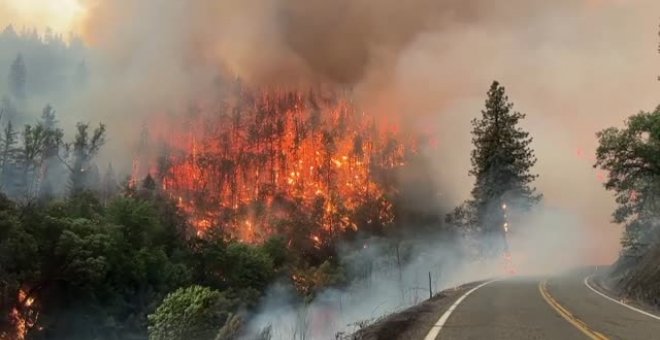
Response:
column 194, row 312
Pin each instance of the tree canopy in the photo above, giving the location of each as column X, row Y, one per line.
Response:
column 502, row 161
column 631, row 155
column 193, row 312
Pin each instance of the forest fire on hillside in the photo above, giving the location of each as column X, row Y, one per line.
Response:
column 267, row 162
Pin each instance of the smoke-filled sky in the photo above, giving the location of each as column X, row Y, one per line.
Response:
column 59, row 15
column 574, row 66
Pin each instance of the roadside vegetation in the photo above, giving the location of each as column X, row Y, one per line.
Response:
column 631, row 156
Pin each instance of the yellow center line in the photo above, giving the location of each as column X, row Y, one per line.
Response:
column 568, row 316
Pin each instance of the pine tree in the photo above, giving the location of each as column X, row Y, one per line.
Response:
column 48, row 119
column 30, row 160
column 18, row 78
column 8, row 109
column 85, row 148
column 109, row 185
column 50, row 166
column 502, row 161
column 7, row 155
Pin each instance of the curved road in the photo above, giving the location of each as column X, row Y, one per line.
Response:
column 535, row 308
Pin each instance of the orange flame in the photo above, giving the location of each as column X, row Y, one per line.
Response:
column 270, row 151
column 23, row 315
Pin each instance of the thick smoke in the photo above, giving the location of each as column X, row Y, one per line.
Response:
column 289, row 41
column 386, row 286
column 575, row 66
column 273, row 40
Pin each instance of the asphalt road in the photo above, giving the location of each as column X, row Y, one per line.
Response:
column 560, row 307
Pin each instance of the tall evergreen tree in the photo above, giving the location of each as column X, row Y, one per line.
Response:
column 8, row 154
column 8, row 109
column 50, row 166
column 85, row 148
column 30, row 160
column 502, row 162
column 18, row 78
column 109, row 185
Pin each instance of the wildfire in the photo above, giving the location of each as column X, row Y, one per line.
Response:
column 23, row 315
column 261, row 158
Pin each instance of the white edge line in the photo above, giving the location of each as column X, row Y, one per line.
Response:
column 586, row 283
column 435, row 330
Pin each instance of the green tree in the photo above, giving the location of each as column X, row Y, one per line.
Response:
column 276, row 249
column 109, row 185
column 18, row 250
column 8, row 155
column 194, row 312
column 30, row 159
column 102, row 270
column 502, row 162
column 137, row 219
column 50, row 158
column 85, row 147
column 248, row 266
column 631, row 155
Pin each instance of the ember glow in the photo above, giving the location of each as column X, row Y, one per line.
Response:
column 264, row 161
column 509, row 266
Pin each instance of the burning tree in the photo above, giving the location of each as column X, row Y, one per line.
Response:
column 501, row 164
column 264, row 162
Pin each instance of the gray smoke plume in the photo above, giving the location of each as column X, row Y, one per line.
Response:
column 574, row 66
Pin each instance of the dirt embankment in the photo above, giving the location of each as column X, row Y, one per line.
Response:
column 637, row 279
column 414, row 322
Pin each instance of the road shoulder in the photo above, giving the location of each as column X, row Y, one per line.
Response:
column 608, row 317
column 414, row 322
column 599, row 283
